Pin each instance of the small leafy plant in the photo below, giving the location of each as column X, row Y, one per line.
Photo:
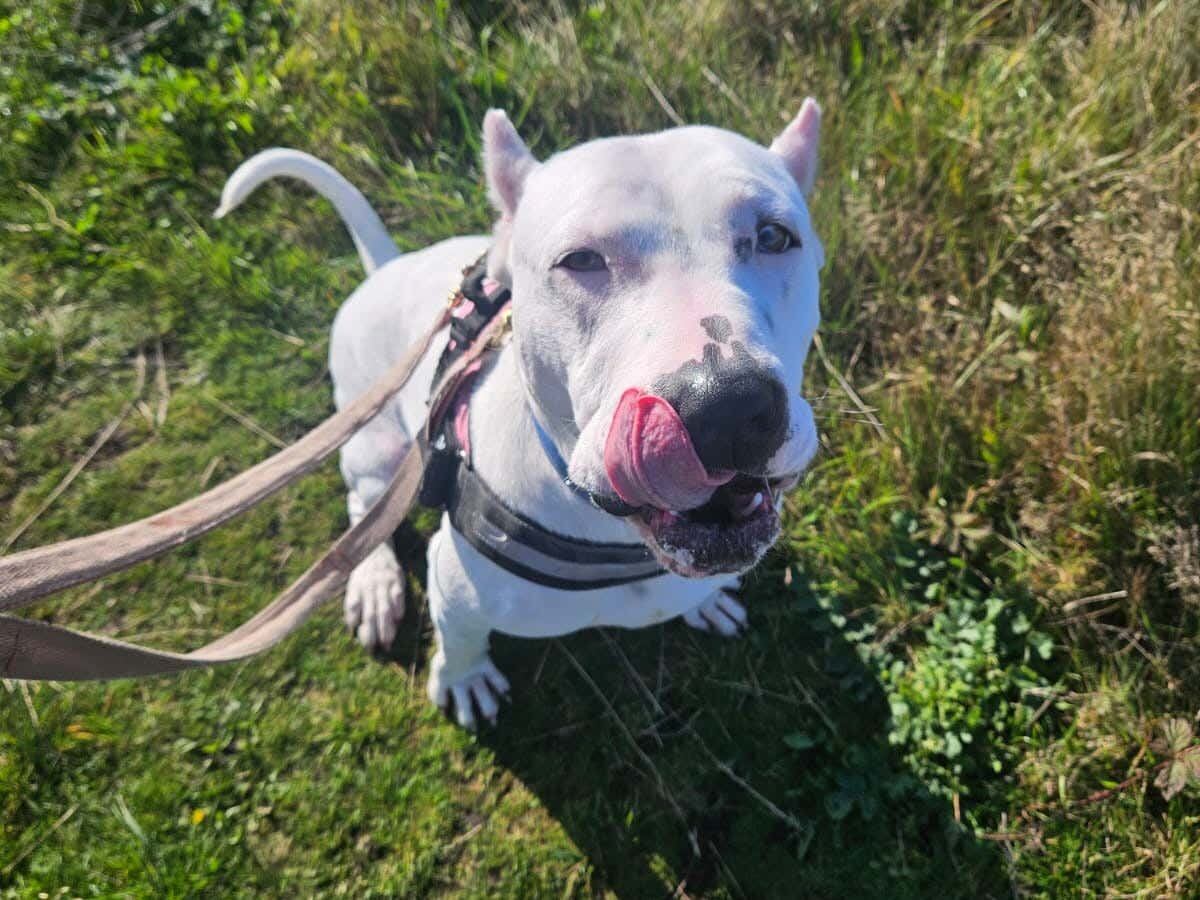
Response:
column 960, row 696
column 962, row 681
column 1182, row 765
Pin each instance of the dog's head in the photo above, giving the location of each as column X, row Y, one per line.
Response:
column 665, row 296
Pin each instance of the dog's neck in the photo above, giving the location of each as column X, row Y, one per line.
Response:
column 509, row 456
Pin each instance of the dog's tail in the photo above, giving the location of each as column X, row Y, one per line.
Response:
column 374, row 245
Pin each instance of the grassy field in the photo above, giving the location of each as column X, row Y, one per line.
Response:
column 973, row 669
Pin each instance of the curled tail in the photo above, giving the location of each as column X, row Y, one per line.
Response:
column 370, row 236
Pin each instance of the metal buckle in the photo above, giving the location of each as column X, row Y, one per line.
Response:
column 503, row 329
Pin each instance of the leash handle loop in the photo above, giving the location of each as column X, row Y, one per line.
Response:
column 38, row 650
column 31, row 574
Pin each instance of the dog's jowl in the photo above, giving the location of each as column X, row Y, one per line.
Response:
column 623, row 458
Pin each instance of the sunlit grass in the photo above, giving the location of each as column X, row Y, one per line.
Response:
column 985, row 604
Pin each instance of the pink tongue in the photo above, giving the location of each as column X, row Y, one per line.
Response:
column 650, row 459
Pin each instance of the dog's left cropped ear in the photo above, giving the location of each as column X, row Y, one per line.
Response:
column 507, row 162
column 797, row 144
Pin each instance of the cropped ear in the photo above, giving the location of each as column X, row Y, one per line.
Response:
column 797, row 145
column 507, row 162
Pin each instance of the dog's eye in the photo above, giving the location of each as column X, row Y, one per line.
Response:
column 774, row 238
column 582, row 261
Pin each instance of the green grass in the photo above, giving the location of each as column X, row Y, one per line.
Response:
column 965, row 652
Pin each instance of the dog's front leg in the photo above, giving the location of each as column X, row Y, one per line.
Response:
column 719, row 613
column 461, row 673
column 375, row 590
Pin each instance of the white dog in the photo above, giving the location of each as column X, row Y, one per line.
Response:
column 664, row 296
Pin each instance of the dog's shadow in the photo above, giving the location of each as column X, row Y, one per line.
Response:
column 683, row 764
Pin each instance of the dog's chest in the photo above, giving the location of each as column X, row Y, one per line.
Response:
column 518, row 607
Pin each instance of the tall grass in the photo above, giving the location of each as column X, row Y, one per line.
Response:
column 985, row 608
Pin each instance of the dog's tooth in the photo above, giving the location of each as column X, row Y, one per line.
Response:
column 750, row 506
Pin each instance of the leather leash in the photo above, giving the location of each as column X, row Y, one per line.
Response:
column 37, row 650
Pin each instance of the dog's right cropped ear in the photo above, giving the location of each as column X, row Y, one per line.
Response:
column 797, row 145
column 507, row 162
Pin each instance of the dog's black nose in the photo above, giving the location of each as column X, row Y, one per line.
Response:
column 735, row 413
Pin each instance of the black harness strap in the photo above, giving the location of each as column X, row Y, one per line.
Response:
column 513, row 541
column 464, row 328
column 438, row 484
column 529, row 550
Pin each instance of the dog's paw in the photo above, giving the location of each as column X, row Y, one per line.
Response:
column 478, row 689
column 720, row 613
column 375, row 599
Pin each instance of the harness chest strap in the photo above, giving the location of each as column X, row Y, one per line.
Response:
column 530, row 551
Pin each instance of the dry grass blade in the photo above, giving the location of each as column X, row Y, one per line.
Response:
column 762, row 800
column 659, row 781
column 135, row 41
column 32, row 845
column 662, row 101
column 1073, row 605
column 849, row 391
column 243, row 419
column 978, row 361
column 716, row 81
column 161, row 385
column 102, row 438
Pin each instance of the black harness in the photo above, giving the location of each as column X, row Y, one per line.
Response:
column 513, row 541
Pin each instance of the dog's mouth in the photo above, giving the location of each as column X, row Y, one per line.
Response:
column 728, row 533
column 697, row 522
